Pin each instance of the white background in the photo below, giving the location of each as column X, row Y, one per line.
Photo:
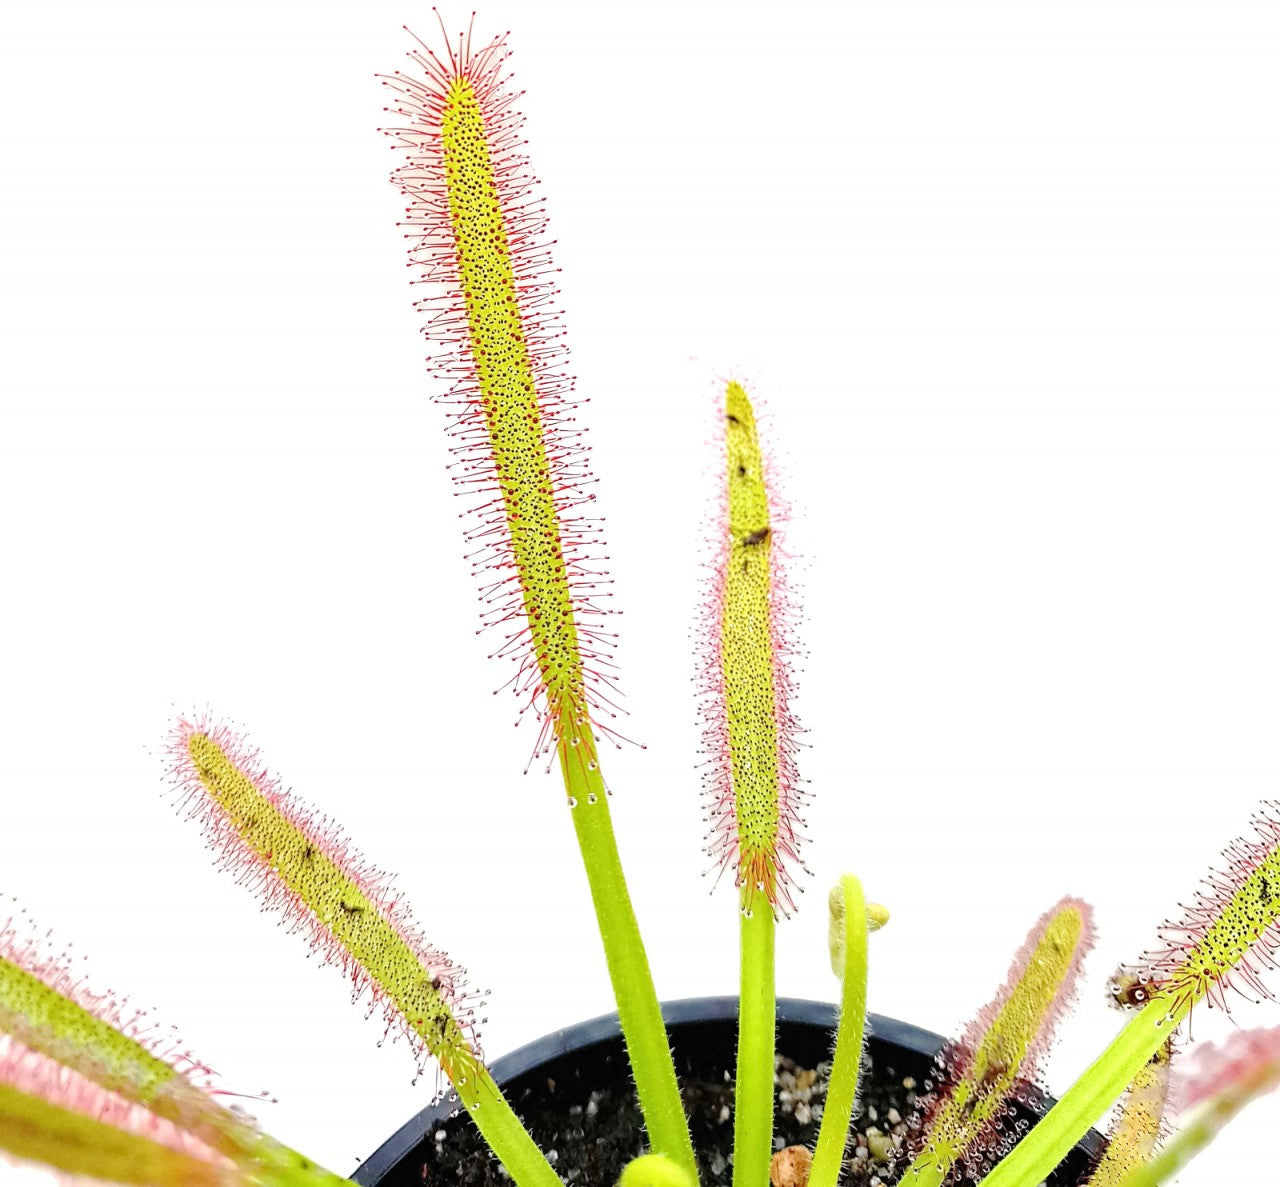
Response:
column 1009, row 277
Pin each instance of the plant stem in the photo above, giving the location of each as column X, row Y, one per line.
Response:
column 505, row 1133
column 1090, row 1096
column 274, row 1165
column 833, row 1136
column 638, row 1010
column 753, row 1088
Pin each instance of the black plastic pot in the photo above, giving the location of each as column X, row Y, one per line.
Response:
column 703, row 1034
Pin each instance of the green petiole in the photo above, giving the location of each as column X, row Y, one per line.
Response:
column 504, row 1131
column 850, row 951
column 753, row 1087
column 1090, row 1096
column 640, row 1015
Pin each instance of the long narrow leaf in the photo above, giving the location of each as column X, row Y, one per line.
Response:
column 301, row 865
column 1001, row 1048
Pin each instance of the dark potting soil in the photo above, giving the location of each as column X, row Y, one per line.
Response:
column 589, row 1134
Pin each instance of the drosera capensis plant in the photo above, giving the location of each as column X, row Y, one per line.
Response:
column 751, row 783
column 85, row 1091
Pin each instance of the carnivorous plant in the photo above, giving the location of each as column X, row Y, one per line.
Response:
column 87, row 1090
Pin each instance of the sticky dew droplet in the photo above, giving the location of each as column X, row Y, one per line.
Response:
column 592, row 797
column 573, row 801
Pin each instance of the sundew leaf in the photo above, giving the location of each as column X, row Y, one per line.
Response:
column 851, row 919
column 93, row 1054
column 478, row 239
column 91, row 1058
column 1245, row 1064
column 966, row 1121
column 301, row 865
column 1226, row 938
column 751, row 784
column 34, row 1130
column 746, row 653
column 48, row 1007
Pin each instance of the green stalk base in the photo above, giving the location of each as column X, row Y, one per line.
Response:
column 1089, row 1097
column 753, row 1087
column 637, row 1000
column 505, row 1133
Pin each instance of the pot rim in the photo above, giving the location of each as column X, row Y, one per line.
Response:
column 606, row 1027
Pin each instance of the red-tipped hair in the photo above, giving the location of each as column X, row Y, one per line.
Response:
column 233, row 853
column 1246, row 895
column 421, row 102
column 721, row 838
